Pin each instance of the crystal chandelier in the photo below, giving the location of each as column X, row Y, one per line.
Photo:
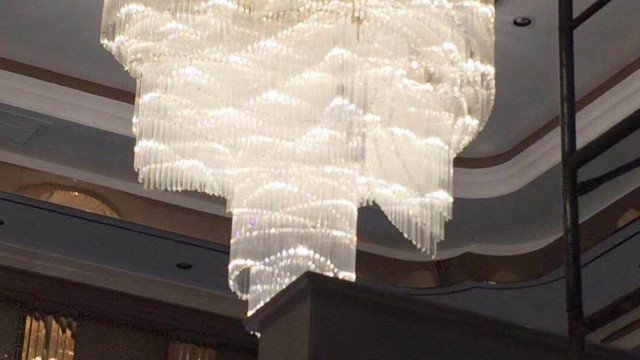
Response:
column 300, row 111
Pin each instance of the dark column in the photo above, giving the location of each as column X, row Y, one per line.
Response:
column 575, row 312
column 323, row 318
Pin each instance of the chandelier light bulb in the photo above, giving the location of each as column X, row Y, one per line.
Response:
column 298, row 112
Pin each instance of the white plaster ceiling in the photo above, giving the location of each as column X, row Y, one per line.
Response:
column 516, row 222
column 62, row 36
column 527, row 64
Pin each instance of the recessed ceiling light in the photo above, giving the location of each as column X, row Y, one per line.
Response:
column 522, row 21
column 184, row 266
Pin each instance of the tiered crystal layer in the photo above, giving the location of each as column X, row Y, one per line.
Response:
column 300, row 111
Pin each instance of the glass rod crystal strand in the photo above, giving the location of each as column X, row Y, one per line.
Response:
column 300, row 111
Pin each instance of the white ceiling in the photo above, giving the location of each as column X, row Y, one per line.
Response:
column 62, row 36
column 504, row 215
column 527, row 64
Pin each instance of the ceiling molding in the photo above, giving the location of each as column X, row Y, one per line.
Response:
column 613, row 311
column 609, row 271
column 596, row 221
column 460, row 162
column 66, row 103
column 114, row 116
column 174, row 198
column 600, row 203
column 148, row 312
column 494, row 160
column 67, row 81
column 609, row 109
column 484, row 267
column 119, row 280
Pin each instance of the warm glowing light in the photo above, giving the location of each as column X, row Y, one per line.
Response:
column 300, row 111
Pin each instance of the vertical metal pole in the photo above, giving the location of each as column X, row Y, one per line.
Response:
column 575, row 313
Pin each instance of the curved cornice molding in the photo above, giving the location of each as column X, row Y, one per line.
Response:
column 497, row 159
column 112, row 115
column 113, row 183
column 112, row 278
column 65, row 103
column 599, row 204
column 593, row 120
column 109, row 109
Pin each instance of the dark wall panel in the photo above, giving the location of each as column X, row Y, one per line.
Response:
column 96, row 341
column 9, row 326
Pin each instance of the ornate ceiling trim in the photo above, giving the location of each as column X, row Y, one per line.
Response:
column 499, row 269
column 120, row 95
column 71, row 82
column 374, row 262
column 549, row 126
column 72, row 103
column 113, row 183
